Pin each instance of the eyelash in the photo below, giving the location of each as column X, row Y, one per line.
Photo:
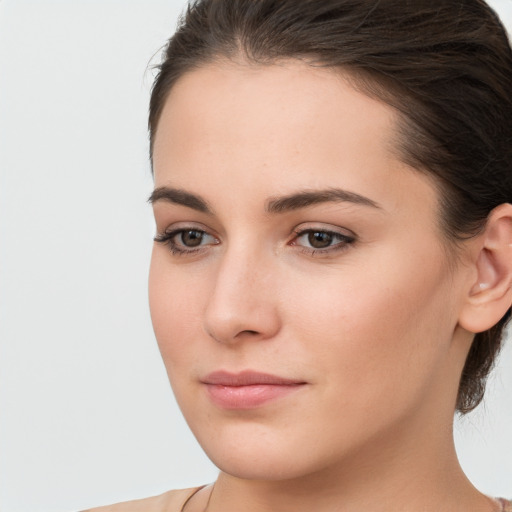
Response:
column 167, row 238
column 344, row 241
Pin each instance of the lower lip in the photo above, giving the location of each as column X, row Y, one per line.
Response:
column 248, row 397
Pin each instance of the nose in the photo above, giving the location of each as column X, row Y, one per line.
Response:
column 243, row 303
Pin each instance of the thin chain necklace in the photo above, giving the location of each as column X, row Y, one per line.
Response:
column 183, row 508
column 502, row 504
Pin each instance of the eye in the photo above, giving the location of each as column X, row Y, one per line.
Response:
column 191, row 237
column 187, row 240
column 318, row 240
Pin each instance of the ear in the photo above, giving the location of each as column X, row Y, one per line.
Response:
column 490, row 292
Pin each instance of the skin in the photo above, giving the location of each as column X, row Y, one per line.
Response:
column 371, row 326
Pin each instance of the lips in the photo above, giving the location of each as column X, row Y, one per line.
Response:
column 247, row 389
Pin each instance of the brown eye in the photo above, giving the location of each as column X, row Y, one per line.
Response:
column 317, row 241
column 320, row 239
column 186, row 241
column 191, row 237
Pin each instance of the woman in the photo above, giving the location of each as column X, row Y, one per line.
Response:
column 332, row 270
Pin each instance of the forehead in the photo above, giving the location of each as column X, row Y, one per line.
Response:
column 273, row 129
column 246, row 103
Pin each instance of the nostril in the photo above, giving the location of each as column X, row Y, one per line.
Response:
column 246, row 332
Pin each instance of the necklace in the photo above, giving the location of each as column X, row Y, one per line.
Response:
column 183, row 508
column 502, row 504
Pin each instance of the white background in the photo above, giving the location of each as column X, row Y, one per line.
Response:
column 86, row 414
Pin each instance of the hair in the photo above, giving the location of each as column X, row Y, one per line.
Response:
column 444, row 65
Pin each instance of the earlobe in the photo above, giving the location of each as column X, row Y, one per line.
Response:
column 490, row 294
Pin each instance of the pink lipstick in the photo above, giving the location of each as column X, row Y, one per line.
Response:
column 247, row 389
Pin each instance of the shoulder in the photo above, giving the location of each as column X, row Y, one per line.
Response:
column 170, row 501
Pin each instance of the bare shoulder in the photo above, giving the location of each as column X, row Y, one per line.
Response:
column 170, row 501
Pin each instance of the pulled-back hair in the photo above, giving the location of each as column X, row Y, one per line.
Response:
column 444, row 65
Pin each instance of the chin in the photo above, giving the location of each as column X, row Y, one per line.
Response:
column 258, row 453
column 248, row 467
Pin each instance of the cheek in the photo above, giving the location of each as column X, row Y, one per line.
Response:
column 373, row 327
column 176, row 303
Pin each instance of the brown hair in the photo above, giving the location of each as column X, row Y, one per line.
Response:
column 445, row 65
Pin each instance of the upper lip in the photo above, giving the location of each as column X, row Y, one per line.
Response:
column 247, row 378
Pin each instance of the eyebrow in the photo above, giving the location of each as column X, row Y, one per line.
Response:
column 181, row 197
column 295, row 201
column 307, row 198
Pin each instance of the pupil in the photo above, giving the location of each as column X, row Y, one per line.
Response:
column 192, row 238
column 319, row 240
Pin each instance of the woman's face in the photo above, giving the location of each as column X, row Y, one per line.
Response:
column 300, row 294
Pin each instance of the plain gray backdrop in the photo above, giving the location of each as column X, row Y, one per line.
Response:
column 86, row 414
